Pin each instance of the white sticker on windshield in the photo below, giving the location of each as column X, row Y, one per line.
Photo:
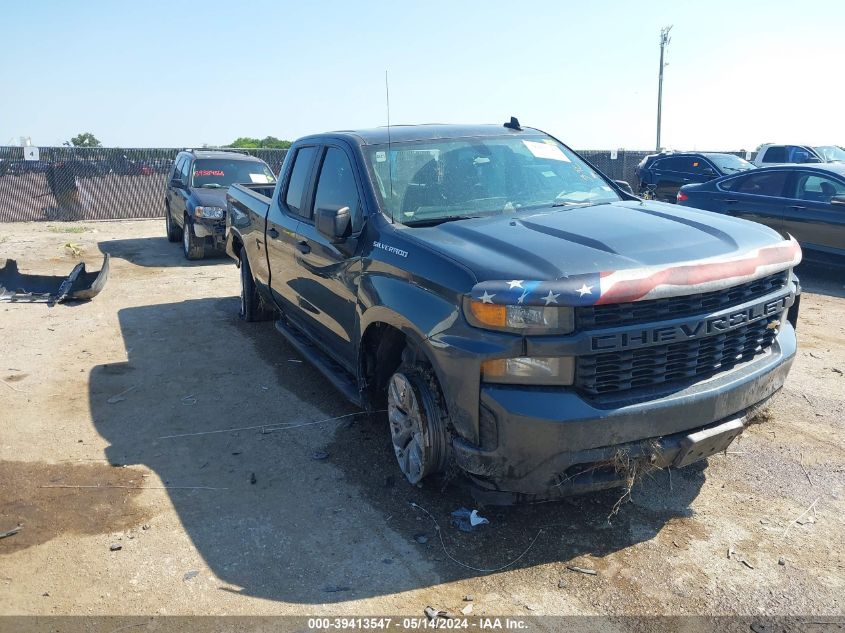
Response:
column 545, row 150
column 259, row 178
column 381, row 157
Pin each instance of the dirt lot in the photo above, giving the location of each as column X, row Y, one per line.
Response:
column 300, row 518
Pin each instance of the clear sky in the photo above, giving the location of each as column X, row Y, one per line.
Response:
column 152, row 73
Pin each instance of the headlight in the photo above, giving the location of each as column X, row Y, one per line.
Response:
column 212, row 213
column 549, row 371
column 521, row 319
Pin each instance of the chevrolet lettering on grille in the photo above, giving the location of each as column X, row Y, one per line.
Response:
column 691, row 329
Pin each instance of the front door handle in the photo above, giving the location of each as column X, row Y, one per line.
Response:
column 273, row 233
column 798, row 207
column 303, row 247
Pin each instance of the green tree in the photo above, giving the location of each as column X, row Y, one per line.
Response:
column 268, row 142
column 86, row 139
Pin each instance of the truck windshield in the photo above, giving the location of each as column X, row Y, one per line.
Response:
column 831, row 153
column 426, row 182
column 216, row 173
column 729, row 164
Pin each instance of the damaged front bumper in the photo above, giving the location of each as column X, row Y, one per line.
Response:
column 551, row 443
column 79, row 285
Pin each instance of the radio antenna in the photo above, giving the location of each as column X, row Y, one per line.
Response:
column 389, row 157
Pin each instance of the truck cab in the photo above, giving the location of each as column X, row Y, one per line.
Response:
column 517, row 315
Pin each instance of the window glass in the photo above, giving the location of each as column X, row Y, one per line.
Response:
column 764, row 184
column 183, row 171
column 433, row 181
column 818, row 188
column 798, row 154
column 775, row 155
column 336, row 187
column 831, row 153
column 219, row 173
column 299, row 178
column 730, row 164
column 676, row 164
column 176, row 170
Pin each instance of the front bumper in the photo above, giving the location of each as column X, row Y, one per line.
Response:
column 214, row 229
column 547, row 443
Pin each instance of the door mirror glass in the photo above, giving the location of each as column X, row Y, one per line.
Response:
column 335, row 224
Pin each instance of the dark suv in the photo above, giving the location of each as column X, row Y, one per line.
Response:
column 195, row 201
column 662, row 175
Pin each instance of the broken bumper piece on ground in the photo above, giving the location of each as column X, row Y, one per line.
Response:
column 79, row 285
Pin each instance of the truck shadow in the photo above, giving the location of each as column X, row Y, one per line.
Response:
column 320, row 514
column 821, row 279
column 157, row 252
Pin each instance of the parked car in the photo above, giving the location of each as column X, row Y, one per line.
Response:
column 830, row 153
column 661, row 175
column 805, row 201
column 517, row 314
column 195, row 199
column 772, row 154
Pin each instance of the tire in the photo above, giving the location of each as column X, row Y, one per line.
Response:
column 174, row 233
column 193, row 247
column 418, row 421
column 252, row 308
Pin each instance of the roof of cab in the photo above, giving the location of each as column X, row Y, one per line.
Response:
column 221, row 153
column 423, row 132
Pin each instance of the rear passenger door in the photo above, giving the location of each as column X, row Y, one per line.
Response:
column 757, row 196
column 327, row 273
column 809, row 215
column 670, row 175
column 283, row 218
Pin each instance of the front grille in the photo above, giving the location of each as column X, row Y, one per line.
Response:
column 612, row 372
column 612, row 315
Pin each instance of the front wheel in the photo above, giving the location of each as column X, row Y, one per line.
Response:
column 418, row 421
column 193, row 247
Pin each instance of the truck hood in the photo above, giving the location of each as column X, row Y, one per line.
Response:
column 581, row 244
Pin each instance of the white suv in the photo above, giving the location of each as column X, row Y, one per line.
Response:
column 772, row 154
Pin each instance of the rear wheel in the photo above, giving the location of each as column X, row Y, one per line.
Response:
column 193, row 247
column 418, row 422
column 174, row 233
column 252, row 308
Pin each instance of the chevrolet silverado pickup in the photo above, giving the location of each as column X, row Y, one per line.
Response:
column 518, row 315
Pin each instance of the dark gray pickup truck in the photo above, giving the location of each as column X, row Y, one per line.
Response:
column 517, row 314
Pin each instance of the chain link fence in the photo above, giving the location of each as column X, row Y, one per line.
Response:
column 91, row 183
column 75, row 183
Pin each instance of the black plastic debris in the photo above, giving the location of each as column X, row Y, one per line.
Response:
column 79, row 285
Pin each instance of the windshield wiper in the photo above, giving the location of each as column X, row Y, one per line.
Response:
column 211, row 185
column 562, row 203
column 436, row 221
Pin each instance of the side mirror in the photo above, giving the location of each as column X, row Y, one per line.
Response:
column 177, row 183
column 335, row 224
column 838, row 200
column 709, row 172
column 624, row 186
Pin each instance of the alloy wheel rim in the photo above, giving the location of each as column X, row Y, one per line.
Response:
column 406, row 428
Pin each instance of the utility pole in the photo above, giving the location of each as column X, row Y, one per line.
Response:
column 664, row 42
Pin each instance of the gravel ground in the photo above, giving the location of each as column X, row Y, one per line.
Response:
column 278, row 518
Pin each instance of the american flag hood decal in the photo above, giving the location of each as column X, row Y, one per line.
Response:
column 640, row 284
